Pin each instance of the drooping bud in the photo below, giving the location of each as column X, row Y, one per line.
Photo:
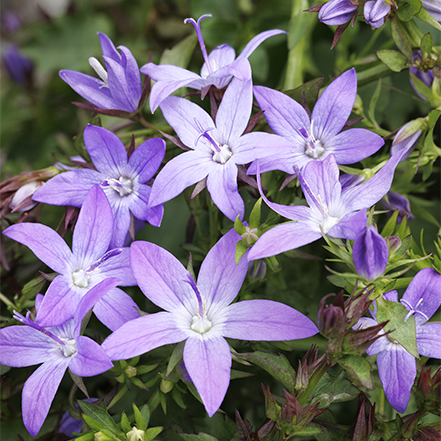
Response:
column 370, row 253
column 19, row 67
column 375, row 12
column 407, row 138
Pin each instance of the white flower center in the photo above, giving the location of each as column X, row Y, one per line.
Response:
column 328, row 223
column 200, row 324
column 69, row 348
column 123, row 186
column 80, row 278
column 135, row 434
column 224, row 155
column 250, row 235
column 314, row 148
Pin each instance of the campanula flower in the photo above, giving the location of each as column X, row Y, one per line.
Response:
column 395, row 201
column 219, row 67
column 406, row 140
column 315, row 137
column 89, row 262
column 20, row 68
column 122, row 179
column 396, row 366
column 201, row 314
column 119, row 86
column 58, row 348
column 340, row 213
column 216, row 148
column 421, row 72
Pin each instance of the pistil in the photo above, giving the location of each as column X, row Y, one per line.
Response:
column 314, row 148
column 197, row 27
column 200, row 322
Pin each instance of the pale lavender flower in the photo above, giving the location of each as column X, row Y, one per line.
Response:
column 119, row 86
column 58, row 348
column 219, row 67
column 375, row 12
column 123, row 180
column 216, row 148
column 337, row 12
column 340, row 213
column 22, row 200
column 315, row 137
column 201, row 314
column 406, row 140
column 20, row 68
column 396, row 366
column 370, row 253
column 89, row 262
column 395, row 201
column 433, row 7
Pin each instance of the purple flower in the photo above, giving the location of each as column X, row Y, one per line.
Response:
column 396, row 366
column 123, row 180
column 315, row 137
column 119, row 86
column 426, row 76
column 19, row 67
column 216, row 148
column 406, row 140
column 340, row 213
column 219, row 67
column 433, row 7
column 22, row 200
column 89, row 262
column 395, row 201
column 201, row 314
column 370, row 253
column 337, row 12
column 375, row 12
column 58, row 348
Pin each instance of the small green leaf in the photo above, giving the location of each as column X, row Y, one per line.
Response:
column 180, row 54
column 426, row 46
column 358, row 369
column 98, row 414
column 199, row 437
column 145, row 413
column 403, row 332
column 389, row 228
column 400, row 38
column 32, row 288
column 94, row 425
column 408, row 9
column 125, row 423
column 239, row 226
column 175, row 358
column 139, row 420
column 255, row 214
column 152, row 433
column 394, row 60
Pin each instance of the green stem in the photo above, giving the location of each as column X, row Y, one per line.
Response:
column 4, row 299
column 372, row 74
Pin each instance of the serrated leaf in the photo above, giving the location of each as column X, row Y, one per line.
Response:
column 358, row 369
column 394, row 60
column 276, row 365
column 180, row 54
column 403, row 332
column 100, row 415
column 409, row 9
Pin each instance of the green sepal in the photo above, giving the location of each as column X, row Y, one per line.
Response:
column 140, row 422
column 125, row 423
column 359, row 370
column 241, row 249
column 255, row 214
column 239, row 226
column 426, row 17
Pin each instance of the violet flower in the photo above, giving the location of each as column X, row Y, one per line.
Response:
column 216, row 148
column 433, row 7
column 375, row 12
column 406, row 140
column 119, row 86
column 426, row 76
column 201, row 314
column 340, row 213
column 89, row 262
column 370, row 253
column 58, row 348
column 396, row 366
column 337, row 12
column 219, row 67
column 20, row 68
column 395, row 201
column 315, row 137
column 123, row 180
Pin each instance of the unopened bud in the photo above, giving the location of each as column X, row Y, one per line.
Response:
column 130, row 371
column 393, row 242
column 166, row 386
column 331, row 318
column 22, row 199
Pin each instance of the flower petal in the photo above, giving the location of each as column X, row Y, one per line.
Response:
column 90, row 358
column 141, row 209
column 257, row 41
column 147, row 158
column 349, row 226
column 119, row 266
column 428, row 341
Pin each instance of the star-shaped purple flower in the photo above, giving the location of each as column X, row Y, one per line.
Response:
column 89, row 262
column 396, row 366
column 219, row 67
column 58, row 348
column 216, row 148
column 119, row 86
column 123, row 180
column 340, row 213
column 200, row 313
column 315, row 137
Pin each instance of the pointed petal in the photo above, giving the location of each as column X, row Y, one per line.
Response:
column 132, row 75
column 90, row 88
column 266, row 320
column 39, row 392
column 44, row 242
column 235, row 110
column 161, row 277
column 106, row 150
column 220, row 279
column 426, row 285
column 90, row 358
column 350, row 226
column 353, row 145
column 219, row 57
column 141, row 208
column 428, row 341
column 397, row 370
column 24, row 346
column 119, row 266
column 283, row 238
column 240, row 69
column 222, row 185
column 182, row 171
column 208, row 362
column 115, row 309
column 147, row 158
column 108, row 47
column 257, row 41
column 93, row 230
column 142, row 335
column 334, row 106
column 68, row 188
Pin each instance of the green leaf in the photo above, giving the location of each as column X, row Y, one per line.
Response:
column 241, row 249
column 240, row 374
column 145, row 413
column 408, row 9
column 86, row 437
column 276, row 365
column 94, row 425
column 426, row 46
column 333, row 389
column 309, row 431
column 175, row 358
column 177, row 396
column 404, row 332
column 100, row 415
column 423, row 89
column 199, row 437
column 180, row 54
column 358, row 369
column 32, row 288
column 125, row 423
column 255, row 214
column 310, row 89
column 401, row 40
column 139, row 420
column 152, row 433
column 389, row 228
column 394, row 60
column 426, row 17
column 239, row 226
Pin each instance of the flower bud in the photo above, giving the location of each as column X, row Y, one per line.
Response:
column 370, row 254
column 407, row 138
column 394, row 243
column 375, row 12
column 166, row 386
column 331, row 318
column 135, row 435
column 22, row 199
column 337, row 12
column 19, row 67
column 395, row 201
